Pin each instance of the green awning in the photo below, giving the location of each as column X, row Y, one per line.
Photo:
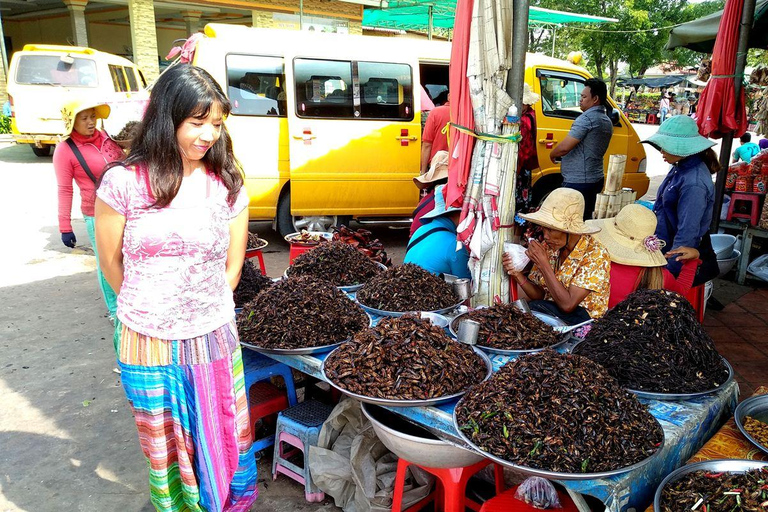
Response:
column 699, row 35
column 414, row 15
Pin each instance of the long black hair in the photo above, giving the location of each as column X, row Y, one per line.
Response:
column 181, row 92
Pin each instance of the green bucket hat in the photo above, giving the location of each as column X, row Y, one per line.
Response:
column 679, row 136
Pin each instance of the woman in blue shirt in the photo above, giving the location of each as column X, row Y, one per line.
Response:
column 433, row 245
column 686, row 197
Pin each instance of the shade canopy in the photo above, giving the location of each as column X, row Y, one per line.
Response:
column 653, row 83
column 699, row 35
column 415, row 14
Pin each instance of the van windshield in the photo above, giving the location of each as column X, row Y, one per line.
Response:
column 55, row 70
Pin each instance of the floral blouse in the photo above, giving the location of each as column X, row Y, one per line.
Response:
column 589, row 267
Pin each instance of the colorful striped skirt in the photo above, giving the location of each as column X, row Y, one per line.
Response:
column 189, row 402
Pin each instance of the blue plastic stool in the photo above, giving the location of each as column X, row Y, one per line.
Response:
column 257, row 368
column 299, row 427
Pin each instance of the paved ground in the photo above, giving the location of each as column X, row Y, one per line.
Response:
column 67, row 439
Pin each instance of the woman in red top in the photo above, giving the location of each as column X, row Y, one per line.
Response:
column 636, row 258
column 85, row 144
column 527, row 157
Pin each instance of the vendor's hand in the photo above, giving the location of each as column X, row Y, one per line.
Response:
column 506, row 261
column 69, row 239
column 538, row 254
column 683, row 254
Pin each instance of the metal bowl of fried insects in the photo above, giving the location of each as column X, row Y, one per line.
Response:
column 715, row 467
column 381, row 312
column 553, row 475
column 304, row 351
column 395, row 402
column 547, row 319
column 351, row 288
column 651, row 395
column 755, row 408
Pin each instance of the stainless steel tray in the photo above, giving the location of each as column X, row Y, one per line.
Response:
column 299, row 351
column 757, row 407
column 685, row 396
column 715, row 466
column 547, row 319
column 346, row 289
column 407, row 403
column 380, row 312
column 554, row 475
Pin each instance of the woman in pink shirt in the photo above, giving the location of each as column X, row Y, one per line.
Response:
column 171, row 227
column 636, row 258
column 82, row 158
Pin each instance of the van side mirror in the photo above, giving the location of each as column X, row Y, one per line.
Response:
column 615, row 116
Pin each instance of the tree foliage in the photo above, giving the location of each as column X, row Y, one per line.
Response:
column 637, row 39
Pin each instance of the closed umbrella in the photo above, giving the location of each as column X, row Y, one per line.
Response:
column 720, row 111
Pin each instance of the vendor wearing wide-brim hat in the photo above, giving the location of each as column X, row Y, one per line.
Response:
column 571, row 269
column 686, row 198
column 433, row 246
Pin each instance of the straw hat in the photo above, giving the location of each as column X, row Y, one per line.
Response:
column 70, row 110
column 529, row 97
column 563, row 210
column 679, row 136
column 438, row 170
column 629, row 237
column 439, row 208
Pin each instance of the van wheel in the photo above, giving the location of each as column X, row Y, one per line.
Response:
column 43, row 151
column 544, row 186
column 287, row 223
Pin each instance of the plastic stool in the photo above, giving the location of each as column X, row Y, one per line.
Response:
column 752, row 199
column 299, row 427
column 506, row 502
column 651, row 119
column 258, row 367
column 256, row 253
column 264, row 402
column 453, row 482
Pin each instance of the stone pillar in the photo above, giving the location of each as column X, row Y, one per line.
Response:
column 356, row 27
column 261, row 19
column 144, row 37
column 192, row 21
column 77, row 19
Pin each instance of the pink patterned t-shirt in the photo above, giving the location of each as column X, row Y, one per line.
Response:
column 174, row 258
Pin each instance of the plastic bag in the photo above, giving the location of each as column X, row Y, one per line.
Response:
column 517, row 252
column 352, row 466
column 759, row 267
column 538, row 492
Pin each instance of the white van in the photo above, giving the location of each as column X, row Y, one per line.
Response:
column 42, row 78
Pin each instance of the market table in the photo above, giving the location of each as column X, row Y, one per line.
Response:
column 687, row 426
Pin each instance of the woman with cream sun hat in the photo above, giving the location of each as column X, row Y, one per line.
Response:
column 686, row 198
column 636, row 258
column 571, row 269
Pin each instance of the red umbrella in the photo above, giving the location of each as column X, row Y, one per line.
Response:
column 461, row 106
column 720, row 112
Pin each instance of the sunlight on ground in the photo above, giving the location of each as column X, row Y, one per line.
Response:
column 20, row 415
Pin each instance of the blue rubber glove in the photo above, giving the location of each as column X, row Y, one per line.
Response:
column 69, row 239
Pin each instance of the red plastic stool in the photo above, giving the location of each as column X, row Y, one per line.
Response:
column 651, row 119
column 754, row 203
column 453, row 483
column 264, row 402
column 256, row 253
column 506, row 502
column 696, row 297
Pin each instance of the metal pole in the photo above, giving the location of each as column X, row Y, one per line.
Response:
column 554, row 38
column 301, row 14
column 3, row 50
column 516, row 75
column 431, row 22
column 747, row 18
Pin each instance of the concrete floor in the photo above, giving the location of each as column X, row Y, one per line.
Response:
column 67, row 438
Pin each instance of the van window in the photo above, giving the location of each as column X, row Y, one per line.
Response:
column 323, row 88
column 386, row 90
column 118, row 78
column 434, row 79
column 256, row 85
column 143, row 80
column 560, row 94
column 57, row 70
column 131, row 76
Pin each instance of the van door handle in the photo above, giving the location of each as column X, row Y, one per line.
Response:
column 411, row 139
column 547, row 141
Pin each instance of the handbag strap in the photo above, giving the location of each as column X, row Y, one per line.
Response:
column 415, row 241
column 80, row 159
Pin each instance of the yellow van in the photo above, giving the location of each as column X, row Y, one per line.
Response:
column 328, row 126
column 42, row 78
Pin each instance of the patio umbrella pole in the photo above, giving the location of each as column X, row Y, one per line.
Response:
column 747, row 18
column 516, row 75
